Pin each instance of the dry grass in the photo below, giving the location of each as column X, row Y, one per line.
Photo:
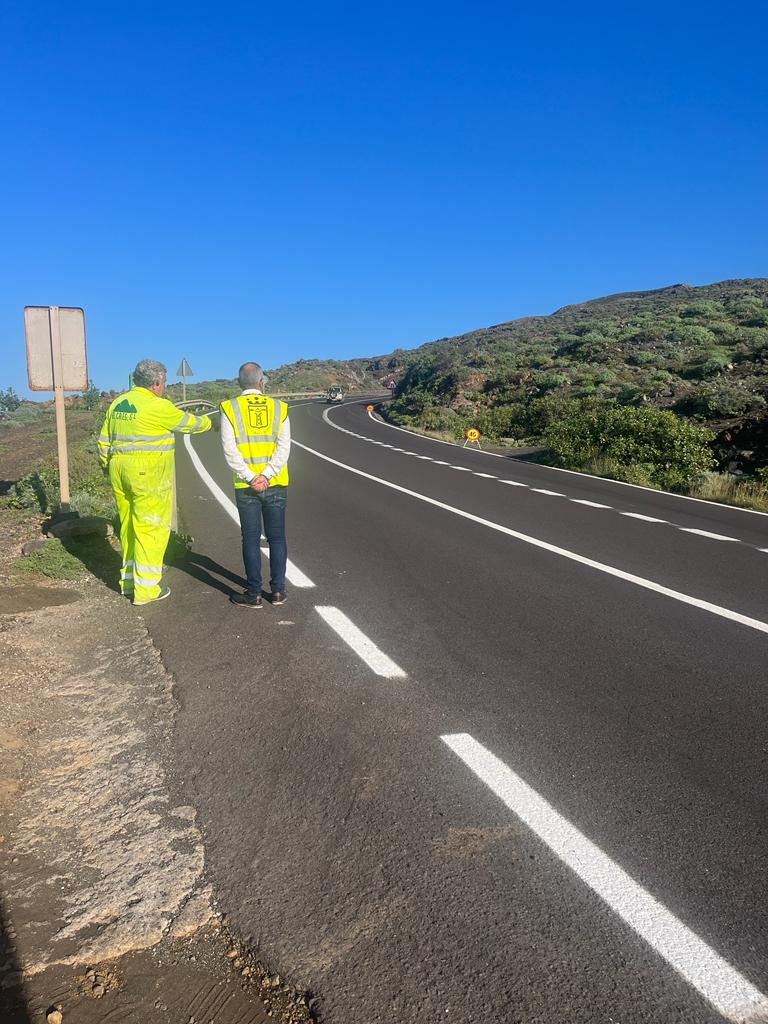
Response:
column 733, row 490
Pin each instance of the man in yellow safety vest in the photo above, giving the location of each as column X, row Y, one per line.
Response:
column 136, row 447
column 256, row 438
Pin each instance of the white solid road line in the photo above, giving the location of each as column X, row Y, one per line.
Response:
column 638, row 581
column 362, row 646
column 293, row 574
column 729, row 992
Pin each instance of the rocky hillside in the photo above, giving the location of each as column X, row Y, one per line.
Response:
column 701, row 352
column 354, row 374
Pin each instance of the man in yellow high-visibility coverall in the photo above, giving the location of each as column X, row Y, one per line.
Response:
column 136, row 448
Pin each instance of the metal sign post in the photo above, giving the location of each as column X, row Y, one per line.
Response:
column 56, row 361
column 184, row 371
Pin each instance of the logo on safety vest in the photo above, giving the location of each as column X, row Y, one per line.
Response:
column 258, row 416
column 124, row 410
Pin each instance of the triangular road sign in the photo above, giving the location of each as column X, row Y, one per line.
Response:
column 184, row 370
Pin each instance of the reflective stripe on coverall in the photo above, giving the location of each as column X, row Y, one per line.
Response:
column 257, row 421
column 137, row 444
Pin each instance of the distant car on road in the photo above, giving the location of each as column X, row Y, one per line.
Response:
column 334, row 394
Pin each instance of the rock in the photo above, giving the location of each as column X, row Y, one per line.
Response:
column 31, row 546
column 98, row 991
column 83, row 526
column 54, row 1016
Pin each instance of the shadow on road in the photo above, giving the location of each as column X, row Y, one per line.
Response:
column 205, row 570
column 13, row 1003
column 103, row 561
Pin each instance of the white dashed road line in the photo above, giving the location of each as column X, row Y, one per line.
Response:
column 293, row 574
column 639, row 515
column 363, row 647
column 706, row 533
column 555, row 469
column 536, row 490
column 728, row 991
column 638, row 581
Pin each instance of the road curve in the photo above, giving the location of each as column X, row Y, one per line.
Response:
column 502, row 755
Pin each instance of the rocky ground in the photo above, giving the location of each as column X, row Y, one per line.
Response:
column 106, row 913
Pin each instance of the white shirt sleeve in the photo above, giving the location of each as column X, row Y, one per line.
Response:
column 235, row 460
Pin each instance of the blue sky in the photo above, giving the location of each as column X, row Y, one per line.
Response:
column 230, row 181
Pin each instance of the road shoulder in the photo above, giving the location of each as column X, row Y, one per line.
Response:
column 105, row 903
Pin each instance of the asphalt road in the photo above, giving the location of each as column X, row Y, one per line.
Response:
column 530, row 785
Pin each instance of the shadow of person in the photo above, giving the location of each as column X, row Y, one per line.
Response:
column 98, row 556
column 102, row 560
column 14, row 1008
column 205, row 570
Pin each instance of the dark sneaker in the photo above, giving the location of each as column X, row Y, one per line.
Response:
column 164, row 592
column 246, row 600
column 278, row 597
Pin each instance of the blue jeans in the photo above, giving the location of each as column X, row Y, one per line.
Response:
column 269, row 505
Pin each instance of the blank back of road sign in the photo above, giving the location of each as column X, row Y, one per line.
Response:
column 37, row 321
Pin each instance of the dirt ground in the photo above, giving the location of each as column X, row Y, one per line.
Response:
column 23, row 446
column 106, row 911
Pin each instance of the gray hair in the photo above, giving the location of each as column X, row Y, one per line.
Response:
column 148, row 372
column 250, row 375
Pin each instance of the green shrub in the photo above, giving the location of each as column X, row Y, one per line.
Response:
column 665, row 449
column 642, row 358
column 721, row 399
column 37, row 491
column 91, row 398
column 9, row 400
column 90, row 492
column 715, row 363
